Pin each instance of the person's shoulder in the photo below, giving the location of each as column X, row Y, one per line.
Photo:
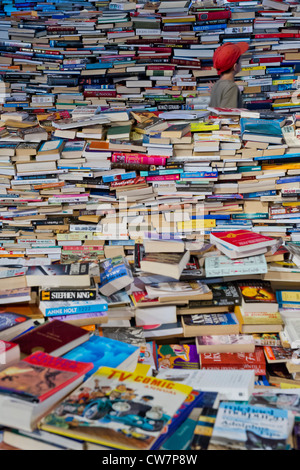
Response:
column 228, row 84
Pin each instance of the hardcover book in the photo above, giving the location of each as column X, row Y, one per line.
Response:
column 53, row 338
column 258, row 296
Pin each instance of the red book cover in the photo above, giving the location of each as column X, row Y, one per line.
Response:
column 276, row 35
column 240, row 239
column 221, row 361
column 161, row 67
column 155, row 49
column 133, row 181
column 50, row 337
column 213, row 15
column 40, row 376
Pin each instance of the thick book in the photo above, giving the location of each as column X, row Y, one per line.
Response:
column 209, row 324
column 259, row 322
column 55, row 338
column 76, row 293
column 168, row 264
column 247, row 361
column 222, row 266
column 35, row 385
column 242, row 240
column 39, row 376
column 115, row 274
column 126, row 400
column 235, row 384
column 14, row 322
column 258, row 296
column 225, row 343
column 9, row 353
column 59, row 275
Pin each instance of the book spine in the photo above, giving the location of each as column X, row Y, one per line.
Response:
column 50, row 312
column 59, row 295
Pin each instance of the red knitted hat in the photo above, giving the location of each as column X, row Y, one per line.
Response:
column 228, row 54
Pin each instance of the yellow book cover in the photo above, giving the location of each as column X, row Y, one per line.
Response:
column 204, row 126
column 117, row 409
column 195, row 224
column 280, row 82
column 290, row 296
column 259, row 67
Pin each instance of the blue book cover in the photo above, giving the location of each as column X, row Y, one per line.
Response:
column 210, row 27
column 288, row 179
column 112, row 269
column 50, row 309
column 200, row 174
column 282, row 302
column 121, row 176
column 211, row 319
column 261, row 126
column 195, row 399
column 251, row 427
column 259, row 194
column 102, row 351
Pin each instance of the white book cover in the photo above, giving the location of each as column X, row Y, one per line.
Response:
column 230, row 384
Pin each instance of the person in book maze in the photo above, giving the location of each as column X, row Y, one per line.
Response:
column 227, row 61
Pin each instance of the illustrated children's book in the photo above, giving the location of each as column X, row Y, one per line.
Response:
column 118, row 409
column 177, row 356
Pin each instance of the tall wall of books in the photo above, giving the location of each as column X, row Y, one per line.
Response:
column 149, row 242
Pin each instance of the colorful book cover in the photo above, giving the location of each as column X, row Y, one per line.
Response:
column 286, row 399
column 204, row 319
column 195, row 399
column 118, row 409
column 241, row 239
column 101, row 351
column 257, row 292
column 204, row 428
column 224, row 340
column 113, row 269
column 253, row 361
column 69, row 307
column 250, row 427
column 39, row 376
column 277, row 354
column 224, row 294
column 177, row 356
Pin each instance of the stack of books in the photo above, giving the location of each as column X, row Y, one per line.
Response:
column 149, row 243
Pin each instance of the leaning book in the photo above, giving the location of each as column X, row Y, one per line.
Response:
column 122, row 410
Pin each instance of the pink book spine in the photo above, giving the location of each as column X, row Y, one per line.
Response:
column 138, row 158
column 163, row 178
